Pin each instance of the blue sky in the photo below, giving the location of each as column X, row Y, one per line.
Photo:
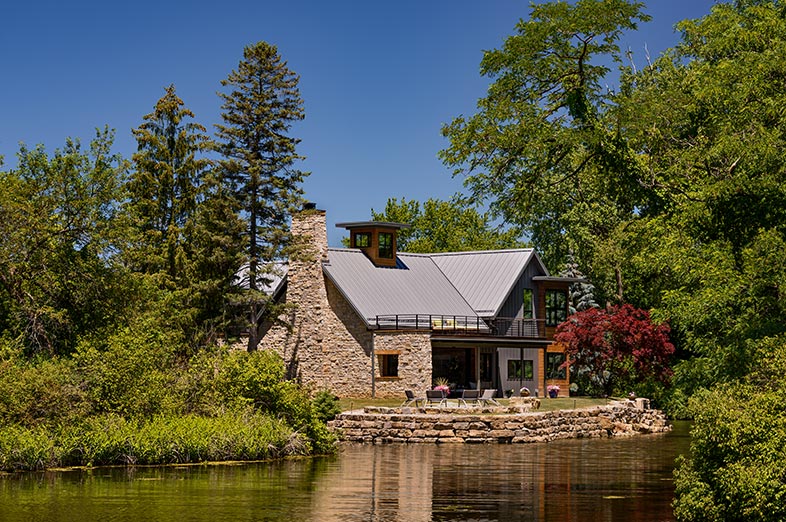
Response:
column 378, row 79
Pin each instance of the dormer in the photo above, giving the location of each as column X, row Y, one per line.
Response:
column 377, row 239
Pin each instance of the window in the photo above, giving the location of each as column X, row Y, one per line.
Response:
column 362, row 239
column 527, row 304
column 386, row 245
column 520, row 370
column 554, row 361
column 388, row 364
column 486, row 364
column 556, row 307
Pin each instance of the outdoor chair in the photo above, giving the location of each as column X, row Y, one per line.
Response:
column 412, row 399
column 488, row 398
column 433, row 396
column 470, row 396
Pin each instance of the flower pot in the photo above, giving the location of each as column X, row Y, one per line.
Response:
column 553, row 394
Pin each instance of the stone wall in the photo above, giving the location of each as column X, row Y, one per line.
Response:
column 414, row 362
column 432, row 425
column 329, row 346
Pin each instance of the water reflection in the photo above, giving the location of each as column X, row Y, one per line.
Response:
column 591, row 480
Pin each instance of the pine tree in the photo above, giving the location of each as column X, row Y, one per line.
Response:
column 258, row 162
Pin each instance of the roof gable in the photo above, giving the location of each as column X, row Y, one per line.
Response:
column 486, row 278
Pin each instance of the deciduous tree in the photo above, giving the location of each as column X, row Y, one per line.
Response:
column 445, row 226
column 609, row 349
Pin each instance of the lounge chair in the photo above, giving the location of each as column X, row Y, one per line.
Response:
column 487, row 398
column 433, row 396
column 412, row 399
column 470, row 396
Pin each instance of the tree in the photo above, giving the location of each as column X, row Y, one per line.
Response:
column 609, row 349
column 57, row 240
column 736, row 468
column 165, row 189
column 183, row 236
column 544, row 147
column 445, row 226
column 258, row 164
column 582, row 293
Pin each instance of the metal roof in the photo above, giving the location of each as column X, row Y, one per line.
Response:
column 485, row 278
column 415, row 286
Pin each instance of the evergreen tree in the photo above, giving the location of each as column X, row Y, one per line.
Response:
column 582, row 294
column 164, row 189
column 258, row 163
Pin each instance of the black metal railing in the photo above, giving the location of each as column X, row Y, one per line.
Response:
column 461, row 325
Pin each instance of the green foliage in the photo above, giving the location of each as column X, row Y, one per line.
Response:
column 445, row 226
column 56, row 278
column 258, row 168
column 543, row 147
column 737, row 466
column 326, row 406
column 113, row 440
column 129, row 371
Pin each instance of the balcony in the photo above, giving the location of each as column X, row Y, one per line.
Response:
column 454, row 325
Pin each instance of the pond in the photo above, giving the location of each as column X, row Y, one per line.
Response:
column 573, row 480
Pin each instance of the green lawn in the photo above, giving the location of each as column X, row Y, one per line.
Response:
column 562, row 403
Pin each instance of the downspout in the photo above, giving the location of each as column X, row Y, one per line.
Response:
column 373, row 369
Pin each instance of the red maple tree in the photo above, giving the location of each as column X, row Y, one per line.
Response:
column 620, row 345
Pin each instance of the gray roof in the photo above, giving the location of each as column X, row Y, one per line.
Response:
column 416, row 286
column 485, row 278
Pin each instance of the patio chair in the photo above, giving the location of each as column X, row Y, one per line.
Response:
column 488, row 398
column 412, row 399
column 472, row 396
column 433, row 396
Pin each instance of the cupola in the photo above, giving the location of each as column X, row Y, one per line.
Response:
column 377, row 239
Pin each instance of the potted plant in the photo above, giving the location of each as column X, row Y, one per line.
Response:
column 553, row 390
column 441, row 384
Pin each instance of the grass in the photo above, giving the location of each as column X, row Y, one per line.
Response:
column 561, row 403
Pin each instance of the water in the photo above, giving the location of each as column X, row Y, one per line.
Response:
column 578, row 480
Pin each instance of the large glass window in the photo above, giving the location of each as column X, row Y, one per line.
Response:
column 527, row 304
column 386, row 245
column 554, row 369
column 520, row 370
column 556, row 307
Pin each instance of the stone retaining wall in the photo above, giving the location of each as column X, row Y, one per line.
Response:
column 437, row 425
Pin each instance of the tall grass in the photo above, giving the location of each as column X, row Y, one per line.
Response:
column 113, row 440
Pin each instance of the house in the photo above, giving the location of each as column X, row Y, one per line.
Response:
column 372, row 321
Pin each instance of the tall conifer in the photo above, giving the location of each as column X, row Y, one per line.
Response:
column 164, row 189
column 258, row 162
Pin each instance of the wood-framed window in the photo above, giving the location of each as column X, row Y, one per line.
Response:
column 362, row 239
column 527, row 305
column 385, row 245
column 554, row 368
column 388, row 364
column 556, row 307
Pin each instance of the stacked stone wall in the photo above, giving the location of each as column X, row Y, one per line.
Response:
column 436, row 426
column 329, row 346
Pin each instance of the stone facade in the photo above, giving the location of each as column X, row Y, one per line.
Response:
column 432, row 425
column 329, row 346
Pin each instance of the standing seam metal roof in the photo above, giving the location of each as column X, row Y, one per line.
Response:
column 417, row 286
column 486, row 278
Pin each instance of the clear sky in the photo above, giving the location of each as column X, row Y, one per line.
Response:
column 378, row 79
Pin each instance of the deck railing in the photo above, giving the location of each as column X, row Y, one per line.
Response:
column 461, row 325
